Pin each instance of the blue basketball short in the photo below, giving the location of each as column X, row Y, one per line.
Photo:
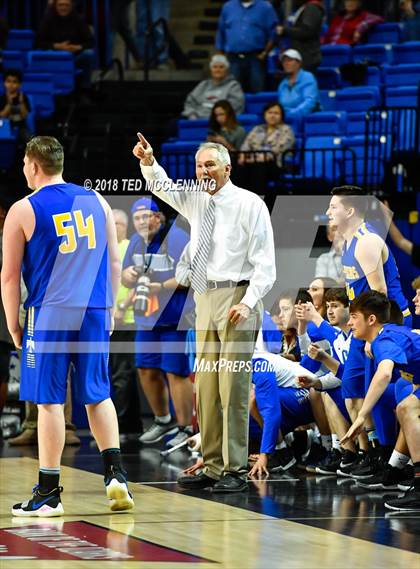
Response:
column 404, row 388
column 54, row 338
column 162, row 348
column 336, row 395
column 295, row 407
column 353, row 380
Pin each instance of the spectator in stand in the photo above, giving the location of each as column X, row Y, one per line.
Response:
column 14, row 104
column 120, row 23
column 298, row 92
column 410, row 15
column 224, row 126
column 351, row 25
column 246, row 34
column 329, row 264
column 63, row 29
column 221, row 86
column 303, row 30
column 148, row 13
column 274, row 135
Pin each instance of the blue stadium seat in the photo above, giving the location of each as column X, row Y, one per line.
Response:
column 20, row 40
column 321, row 159
column 374, row 76
column 404, row 74
column 328, row 100
column 372, row 167
column 193, row 129
column 408, row 52
column 354, row 99
column 254, row 103
column 198, row 129
column 325, row 124
column 335, row 55
column 401, row 96
column 178, row 159
column 328, row 78
column 40, row 87
column 390, row 32
column 356, row 123
column 7, row 144
column 377, row 53
column 14, row 60
column 59, row 63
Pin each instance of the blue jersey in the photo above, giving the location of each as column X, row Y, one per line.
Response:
column 401, row 345
column 356, row 281
column 171, row 302
column 66, row 262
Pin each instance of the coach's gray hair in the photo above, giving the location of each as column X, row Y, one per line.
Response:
column 122, row 214
column 223, row 155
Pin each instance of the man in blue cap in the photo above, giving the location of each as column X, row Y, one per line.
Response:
column 153, row 253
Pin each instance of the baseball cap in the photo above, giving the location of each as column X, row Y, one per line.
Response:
column 292, row 53
column 219, row 59
column 144, row 203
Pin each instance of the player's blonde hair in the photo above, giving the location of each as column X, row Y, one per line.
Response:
column 48, row 152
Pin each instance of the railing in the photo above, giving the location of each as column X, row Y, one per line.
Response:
column 392, row 147
column 309, row 171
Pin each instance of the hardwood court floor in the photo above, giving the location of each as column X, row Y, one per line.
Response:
column 294, row 521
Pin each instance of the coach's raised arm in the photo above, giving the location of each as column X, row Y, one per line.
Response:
column 232, row 268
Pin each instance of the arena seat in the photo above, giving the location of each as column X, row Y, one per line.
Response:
column 178, row 158
column 255, row 102
column 377, row 53
column 357, row 98
column 407, row 52
column 401, row 96
column 7, row 144
column 356, row 123
column 328, row 78
column 403, row 74
column 335, row 55
column 40, row 87
column 325, row 124
column 321, row 159
column 20, row 40
column 197, row 129
column 14, row 60
column 327, row 99
column 391, row 32
column 59, row 63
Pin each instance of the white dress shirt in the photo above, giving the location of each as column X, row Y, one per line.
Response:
column 242, row 245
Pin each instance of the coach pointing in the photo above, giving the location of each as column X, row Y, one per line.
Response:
column 232, row 268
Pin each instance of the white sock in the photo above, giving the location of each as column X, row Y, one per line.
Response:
column 335, row 442
column 281, row 445
column 163, row 419
column 398, row 460
column 326, row 442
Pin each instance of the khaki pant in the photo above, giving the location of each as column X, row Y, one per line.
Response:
column 223, row 384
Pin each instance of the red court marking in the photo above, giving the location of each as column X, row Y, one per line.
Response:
column 52, row 540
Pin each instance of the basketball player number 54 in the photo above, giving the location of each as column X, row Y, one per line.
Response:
column 76, row 226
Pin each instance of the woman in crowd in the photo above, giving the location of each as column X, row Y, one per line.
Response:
column 224, row 127
column 274, row 135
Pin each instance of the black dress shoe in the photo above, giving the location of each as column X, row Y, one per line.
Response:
column 230, row 483
column 197, row 482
